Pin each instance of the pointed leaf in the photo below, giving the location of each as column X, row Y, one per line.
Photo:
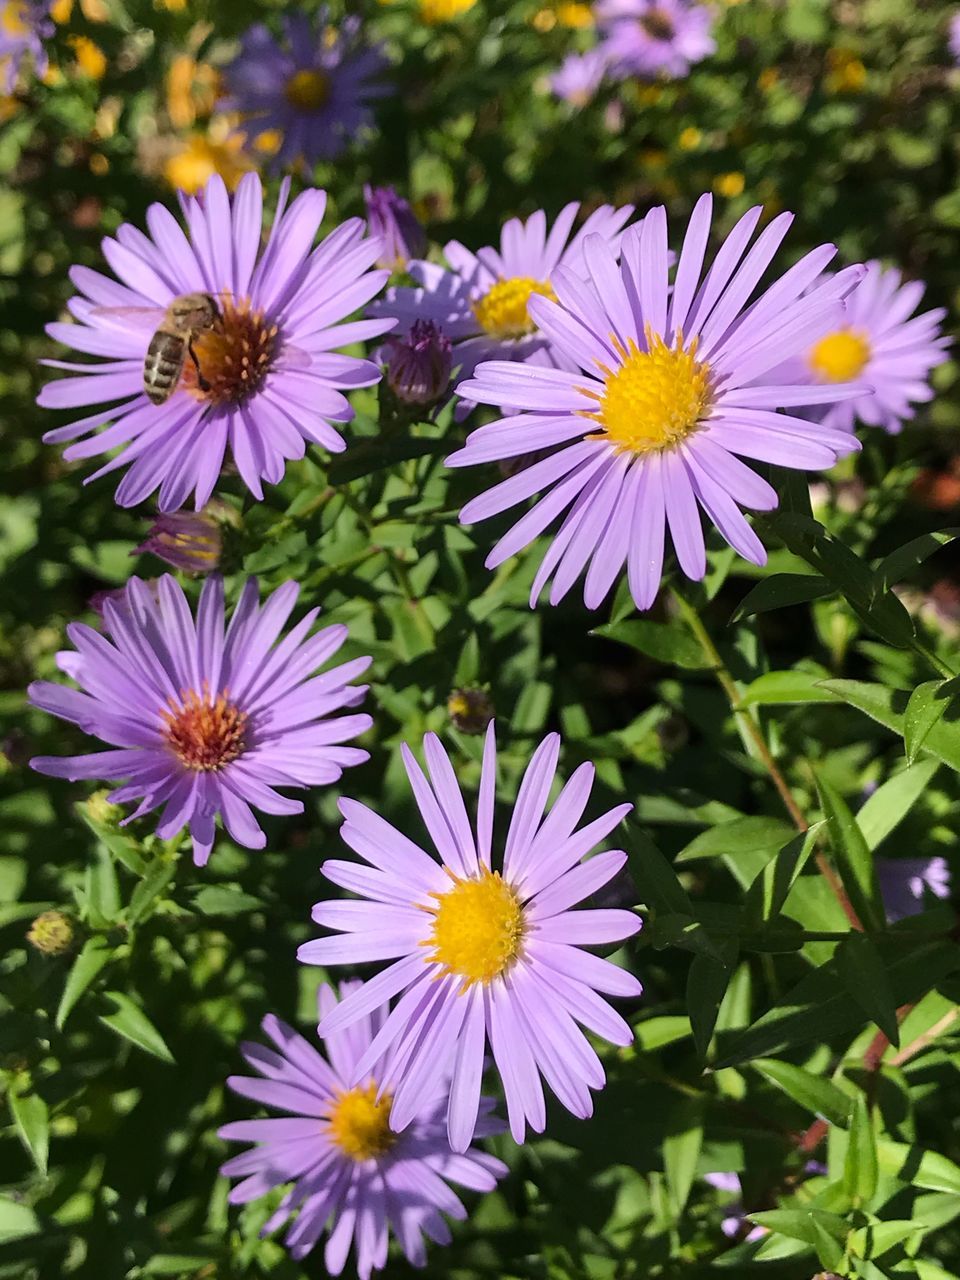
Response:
column 781, row 590
column 926, row 706
column 132, row 1023
column 784, row 688
column 798, row 1224
column 913, row 1166
column 894, row 567
column 96, row 953
column 865, row 978
column 742, row 835
column 667, row 642
column 707, row 983
column 771, row 888
column 860, row 1167
column 892, row 801
column 654, row 876
column 32, row 1121
column 809, row 1091
column 887, row 707
column 681, row 1149
column 853, row 858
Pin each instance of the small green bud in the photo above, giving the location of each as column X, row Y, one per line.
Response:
column 51, row 933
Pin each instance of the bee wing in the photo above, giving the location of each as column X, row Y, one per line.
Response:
column 291, row 357
column 140, row 317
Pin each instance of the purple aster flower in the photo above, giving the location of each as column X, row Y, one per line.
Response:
column 882, row 347
column 735, row 1222
column 953, row 36
column 348, row 1168
column 190, row 541
column 579, row 77
column 391, row 218
column 24, row 25
column 481, row 299
column 675, row 383
column 654, row 37
column 905, row 883
column 205, row 719
column 263, row 379
column 312, row 87
column 418, row 366
column 481, row 955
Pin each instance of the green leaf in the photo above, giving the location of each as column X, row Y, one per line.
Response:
column 681, row 1149
column 707, row 983
column 654, row 876
column 892, row 801
column 668, row 642
column 225, row 900
column 656, row 1033
column 17, row 1220
column 926, row 706
column 798, row 1224
column 784, row 688
column 742, row 835
column 123, row 847
column 913, row 1166
column 150, row 889
column 812, row 1092
column 865, row 978
column 767, row 894
column 32, row 1121
column 887, row 707
column 860, row 1166
column 853, row 857
column 829, row 1249
column 876, row 1239
column 101, row 889
column 96, row 954
column 133, row 1024
column 374, row 454
column 781, row 590
column 898, row 564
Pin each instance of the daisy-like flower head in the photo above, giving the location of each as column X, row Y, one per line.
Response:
column 335, row 1145
column 24, row 25
column 673, row 383
column 205, row 718
column 655, row 37
column 884, row 347
column 486, row 950
column 312, row 87
column 263, row 377
column 579, row 77
column 480, row 300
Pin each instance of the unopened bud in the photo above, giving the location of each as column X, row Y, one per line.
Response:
column 188, row 540
column 101, row 810
column 51, row 933
column 391, row 217
column 470, row 710
column 419, row 365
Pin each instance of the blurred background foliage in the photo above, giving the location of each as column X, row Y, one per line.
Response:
column 831, row 1083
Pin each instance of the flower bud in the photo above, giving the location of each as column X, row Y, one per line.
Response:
column 419, row 366
column 188, row 540
column 51, row 933
column 470, row 710
column 101, row 810
column 391, row 217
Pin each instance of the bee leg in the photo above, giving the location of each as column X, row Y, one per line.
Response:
column 202, row 383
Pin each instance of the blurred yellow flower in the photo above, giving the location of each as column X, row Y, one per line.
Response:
column 89, row 58
column 9, row 106
column 61, row 11
column 200, row 157
column 268, row 142
column 767, row 78
column 729, row 184
column 99, row 164
column 436, row 11
column 192, row 89
column 689, row 139
column 845, row 72
column 574, row 15
column 172, row 6
column 653, row 158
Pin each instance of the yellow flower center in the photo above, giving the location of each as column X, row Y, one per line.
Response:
column 204, row 732
column 234, row 356
column 359, row 1124
column 840, row 356
column 14, row 18
column 477, row 929
column 656, row 398
column 307, row 90
column 502, row 312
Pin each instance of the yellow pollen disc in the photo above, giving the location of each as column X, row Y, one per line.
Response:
column 655, row 398
column 307, row 90
column 840, row 356
column 204, row 732
column 502, row 312
column 477, row 929
column 359, row 1124
column 234, row 356
column 14, row 18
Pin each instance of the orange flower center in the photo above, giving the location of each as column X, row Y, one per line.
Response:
column 234, row 356
column 204, row 732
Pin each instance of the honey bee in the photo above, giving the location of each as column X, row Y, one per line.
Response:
column 187, row 316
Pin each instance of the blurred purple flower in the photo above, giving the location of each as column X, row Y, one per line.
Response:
column 272, row 380
column 953, row 36
column 579, row 77
column 24, row 25
column 311, row 87
column 418, row 366
column 350, row 1171
column 482, row 956
column 206, row 718
column 906, row 882
column 654, row 37
column 735, row 1223
column 390, row 217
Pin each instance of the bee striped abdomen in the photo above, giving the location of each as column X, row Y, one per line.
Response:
column 163, row 365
